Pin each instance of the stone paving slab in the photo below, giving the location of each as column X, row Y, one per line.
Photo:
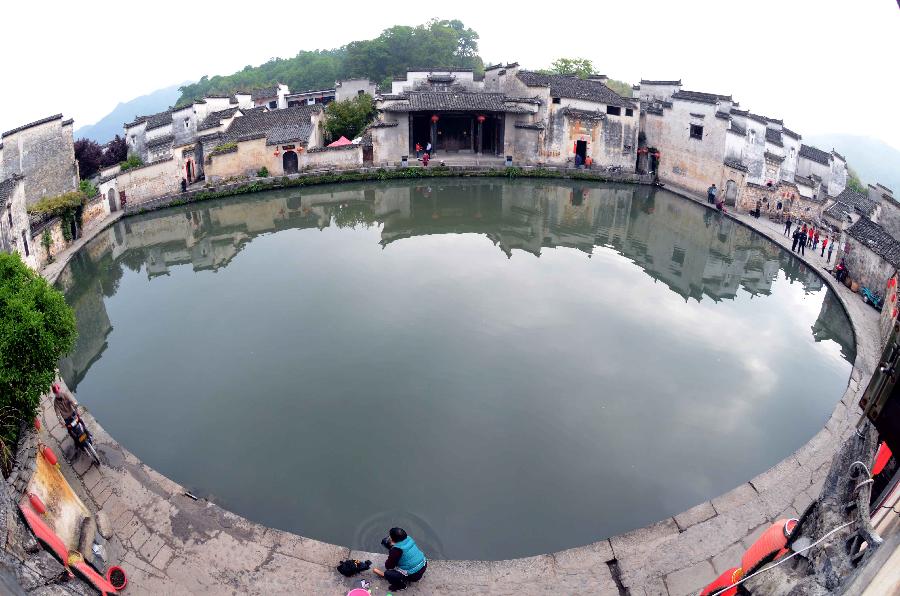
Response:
column 171, row 544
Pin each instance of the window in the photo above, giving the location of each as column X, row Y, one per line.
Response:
column 752, row 136
column 555, row 100
column 614, row 110
column 9, row 215
column 273, row 104
column 792, row 153
column 187, row 122
column 361, row 92
column 25, row 243
column 678, row 255
column 629, row 112
column 696, row 132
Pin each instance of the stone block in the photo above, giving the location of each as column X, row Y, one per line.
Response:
column 754, row 534
column 151, row 547
column 690, row 580
column 162, row 558
column 651, row 587
column 728, row 558
column 592, row 555
column 821, row 445
column 779, row 474
column 695, row 515
column 528, row 570
column 734, row 498
column 313, row 551
column 643, row 540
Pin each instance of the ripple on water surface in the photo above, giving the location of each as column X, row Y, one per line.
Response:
column 505, row 367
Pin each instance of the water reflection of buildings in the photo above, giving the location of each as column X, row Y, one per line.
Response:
column 692, row 250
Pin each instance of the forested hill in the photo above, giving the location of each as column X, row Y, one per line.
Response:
column 443, row 43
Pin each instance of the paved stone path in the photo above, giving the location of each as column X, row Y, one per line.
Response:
column 170, row 543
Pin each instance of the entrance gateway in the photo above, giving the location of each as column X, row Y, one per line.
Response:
column 457, row 132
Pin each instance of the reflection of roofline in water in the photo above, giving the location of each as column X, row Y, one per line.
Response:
column 647, row 226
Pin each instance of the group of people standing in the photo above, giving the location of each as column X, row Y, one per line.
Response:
column 425, row 155
column 809, row 237
column 712, row 197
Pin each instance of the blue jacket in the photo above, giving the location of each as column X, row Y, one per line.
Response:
column 412, row 559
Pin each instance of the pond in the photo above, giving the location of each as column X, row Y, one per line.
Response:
column 504, row 368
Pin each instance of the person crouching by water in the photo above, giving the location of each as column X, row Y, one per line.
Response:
column 405, row 562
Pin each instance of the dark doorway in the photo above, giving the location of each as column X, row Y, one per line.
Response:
column 455, row 133
column 190, row 171
column 419, row 132
column 580, row 151
column 111, row 197
column 490, row 136
column 368, row 156
column 289, row 162
column 730, row 193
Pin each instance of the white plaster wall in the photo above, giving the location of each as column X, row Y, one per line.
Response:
column 147, row 182
column 351, row 87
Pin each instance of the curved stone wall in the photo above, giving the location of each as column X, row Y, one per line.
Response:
column 172, row 543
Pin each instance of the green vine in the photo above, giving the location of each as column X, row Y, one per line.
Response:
column 46, row 242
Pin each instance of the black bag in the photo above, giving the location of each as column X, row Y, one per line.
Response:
column 351, row 567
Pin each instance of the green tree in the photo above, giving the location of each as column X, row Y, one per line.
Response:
column 854, row 183
column 37, row 327
column 581, row 67
column 349, row 117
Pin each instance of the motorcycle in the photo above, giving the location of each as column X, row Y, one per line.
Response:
column 871, row 298
column 82, row 436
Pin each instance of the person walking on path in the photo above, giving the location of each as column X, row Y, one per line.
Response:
column 711, row 194
column 418, row 151
column 816, row 240
column 830, row 248
column 802, row 245
column 787, row 226
column 824, row 244
column 796, row 240
column 809, row 234
column 428, row 149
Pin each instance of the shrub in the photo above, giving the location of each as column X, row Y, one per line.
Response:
column 133, row 161
column 223, row 148
column 263, row 172
column 46, row 241
column 37, row 327
column 88, row 189
column 58, row 205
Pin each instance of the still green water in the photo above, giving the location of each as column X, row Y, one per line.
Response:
column 502, row 368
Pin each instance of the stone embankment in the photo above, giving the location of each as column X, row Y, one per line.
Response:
column 171, row 543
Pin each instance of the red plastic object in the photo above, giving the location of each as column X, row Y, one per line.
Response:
column 768, row 547
column 727, row 578
column 881, row 458
column 109, row 577
column 49, row 455
column 37, row 423
column 43, row 533
column 94, row 578
column 37, row 504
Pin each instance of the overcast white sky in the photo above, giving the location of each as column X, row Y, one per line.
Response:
column 824, row 66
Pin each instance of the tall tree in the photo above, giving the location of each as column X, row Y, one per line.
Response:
column 581, row 67
column 88, row 154
column 348, row 118
column 116, row 152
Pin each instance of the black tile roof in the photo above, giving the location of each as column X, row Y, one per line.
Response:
column 289, row 133
column 731, row 163
column 260, row 122
column 841, row 157
column 805, row 181
column 879, row 241
column 7, row 187
column 815, row 154
column 68, row 122
column 381, row 124
column 838, row 211
column 263, row 93
column 214, row 119
column 737, row 129
column 699, row 97
column 572, row 87
column 159, row 120
column 646, row 82
column 429, row 100
column 790, row 133
column 137, row 120
column 773, row 157
column 723, row 115
column 530, row 125
column 163, row 140
column 31, row 124
column 583, row 114
column 774, row 136
column 859, row 201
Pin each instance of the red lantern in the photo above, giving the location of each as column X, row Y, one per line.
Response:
column 37, row 504
column 892, row 282
column 277, row 153
column 435, row 118
column 37, row 423
column 480, row 118
column 49, row 455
